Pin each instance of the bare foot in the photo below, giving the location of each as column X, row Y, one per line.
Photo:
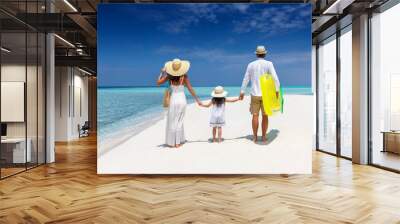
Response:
column 219, row 140
column 214, row 140
column 264, row 139
column 177, row 146
column 254, row 138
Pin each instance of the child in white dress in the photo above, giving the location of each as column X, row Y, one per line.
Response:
column 217, row 119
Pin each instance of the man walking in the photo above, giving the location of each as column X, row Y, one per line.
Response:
column 253, row 72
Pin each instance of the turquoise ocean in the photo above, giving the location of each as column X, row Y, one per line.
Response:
column 127, row 110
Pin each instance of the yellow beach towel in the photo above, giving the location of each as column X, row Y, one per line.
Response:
column 271, row 103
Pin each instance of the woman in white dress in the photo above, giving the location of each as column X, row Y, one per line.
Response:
column 175, row 73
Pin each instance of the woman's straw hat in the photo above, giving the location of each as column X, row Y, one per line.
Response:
column 177, row 67
column 219, row 92
column 260, row 50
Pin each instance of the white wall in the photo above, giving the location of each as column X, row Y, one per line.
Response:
column 17, row 73
column 13, row 101
column 70, row 83
column 80, row 109
column 13, row 72
column 33, row 126
column 62, row 82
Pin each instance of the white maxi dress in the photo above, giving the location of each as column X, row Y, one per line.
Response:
column 176, row 112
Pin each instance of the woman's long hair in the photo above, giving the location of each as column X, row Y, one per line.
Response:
column 175, row 79
column 218, row 101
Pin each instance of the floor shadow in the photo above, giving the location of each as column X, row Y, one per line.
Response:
column 186, row 142
column 211, row 141
column 163, row 146
column 271, row 136
column 167, row 146
column 198, row 141
column 194, row 141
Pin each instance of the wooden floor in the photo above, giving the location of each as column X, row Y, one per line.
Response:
column 70, row 191
column 5, row 172
column 387, row 159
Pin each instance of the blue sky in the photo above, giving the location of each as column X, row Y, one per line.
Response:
column 135, row 40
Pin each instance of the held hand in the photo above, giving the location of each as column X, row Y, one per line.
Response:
column 199, row 102
column 241, row 96
column 277, row 94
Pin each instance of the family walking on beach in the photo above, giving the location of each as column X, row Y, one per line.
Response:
column 174, row 73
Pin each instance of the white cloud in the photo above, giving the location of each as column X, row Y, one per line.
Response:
column 221, row 56
column 166, row 49
column 170, row 50
column 201, row 11
column 211, row 55
column 272, row 21
column 191, row 14
column 229, row 60
column 288, row 58
column 178, row 26
column 241, row 7
column 230, row 41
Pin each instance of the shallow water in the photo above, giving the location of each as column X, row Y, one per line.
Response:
column 123, row 111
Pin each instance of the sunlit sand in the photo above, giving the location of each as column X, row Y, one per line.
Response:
column 288, row 149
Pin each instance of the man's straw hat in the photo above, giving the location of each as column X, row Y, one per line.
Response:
column 260, row 50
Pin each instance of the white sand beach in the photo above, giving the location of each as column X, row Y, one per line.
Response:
column 288, row 149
